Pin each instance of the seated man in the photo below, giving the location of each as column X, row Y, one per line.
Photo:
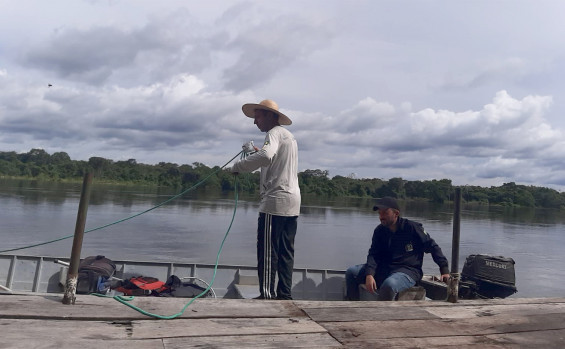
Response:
column 395, row 259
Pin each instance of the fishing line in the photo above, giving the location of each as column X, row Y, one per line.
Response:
column 130, row 217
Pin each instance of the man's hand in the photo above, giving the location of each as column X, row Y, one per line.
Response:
column 370, row 284
column 445, row 278
column 249, row 147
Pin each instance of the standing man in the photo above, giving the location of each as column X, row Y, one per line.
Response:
column 280, row 198
column 395, row 259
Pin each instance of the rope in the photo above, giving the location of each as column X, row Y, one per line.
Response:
column 130, row 217
column 125, row 299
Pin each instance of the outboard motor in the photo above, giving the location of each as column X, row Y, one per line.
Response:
column 486, row 276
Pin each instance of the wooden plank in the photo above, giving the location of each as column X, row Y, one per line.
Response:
column 39, row 321
column 518, row 323
column 491, row 310
column 413, row 313
column 540, row 339
column 367, row 314
column 309, row 340
column 224, row 327
column 62, row 343
column 328, row 311
column 92, row 307
column 71, row 330
column 459, row 342
column 375, row 331
column 64, row 330
column 462, row 302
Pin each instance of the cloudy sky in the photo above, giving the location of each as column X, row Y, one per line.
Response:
column 471, row 91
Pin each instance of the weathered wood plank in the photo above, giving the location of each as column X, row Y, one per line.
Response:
column 495, row 309
column 376, row 331
column 44, row 322
column 367, row 314
column 540, row 339
column 459, row 342
column 153, row 329
column 92, row 307
column 552, row 339
column 224, row 327
column 64, row 330
column 405, row 304
column 414, row 313
column 63, row 343
column 310, row 340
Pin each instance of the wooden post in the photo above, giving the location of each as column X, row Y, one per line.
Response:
column 453, row 286
column 71, row 285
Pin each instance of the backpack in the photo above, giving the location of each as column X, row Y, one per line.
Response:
column 142, row 286
column 93, row 272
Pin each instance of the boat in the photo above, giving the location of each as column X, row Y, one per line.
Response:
column 483, row 276
column 43, row 274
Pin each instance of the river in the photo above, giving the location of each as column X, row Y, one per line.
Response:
column 332, row 234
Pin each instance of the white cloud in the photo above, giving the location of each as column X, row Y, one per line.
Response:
column 371, row 87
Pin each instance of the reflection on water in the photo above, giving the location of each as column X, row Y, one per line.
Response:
column 332, row 234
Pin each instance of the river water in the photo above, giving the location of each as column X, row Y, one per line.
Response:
column 332, row 234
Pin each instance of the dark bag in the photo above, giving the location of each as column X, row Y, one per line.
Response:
column 93, row 272
column 178, row 288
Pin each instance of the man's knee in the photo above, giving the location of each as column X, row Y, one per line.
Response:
column 391, row 285
column 355, row 275
column 350, row 273
column 352, row 281
column 397, row 282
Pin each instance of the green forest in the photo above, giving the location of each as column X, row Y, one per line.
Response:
column 40, row 165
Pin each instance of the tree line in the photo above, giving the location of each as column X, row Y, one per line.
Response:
column 40, row 165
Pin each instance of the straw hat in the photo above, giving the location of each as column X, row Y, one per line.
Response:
column 267, row 104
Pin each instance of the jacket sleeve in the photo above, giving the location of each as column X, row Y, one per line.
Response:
column 430, row 246
column 259, row 159
column 373, row 256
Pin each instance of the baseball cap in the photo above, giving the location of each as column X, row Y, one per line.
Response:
column 386, row 202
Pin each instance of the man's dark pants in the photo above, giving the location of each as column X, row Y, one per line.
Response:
column 275, row 254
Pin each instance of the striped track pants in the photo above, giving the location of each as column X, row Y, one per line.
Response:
column 275, row 254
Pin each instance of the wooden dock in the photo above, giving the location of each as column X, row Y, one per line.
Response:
column 42, row 321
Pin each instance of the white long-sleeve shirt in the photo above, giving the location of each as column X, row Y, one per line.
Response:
column 278, row 160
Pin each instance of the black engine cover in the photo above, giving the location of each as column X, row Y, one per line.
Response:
column 490, row 276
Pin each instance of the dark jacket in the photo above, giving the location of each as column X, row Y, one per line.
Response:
column 402, row 251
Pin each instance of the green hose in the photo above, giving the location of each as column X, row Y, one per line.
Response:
column 126, row 299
